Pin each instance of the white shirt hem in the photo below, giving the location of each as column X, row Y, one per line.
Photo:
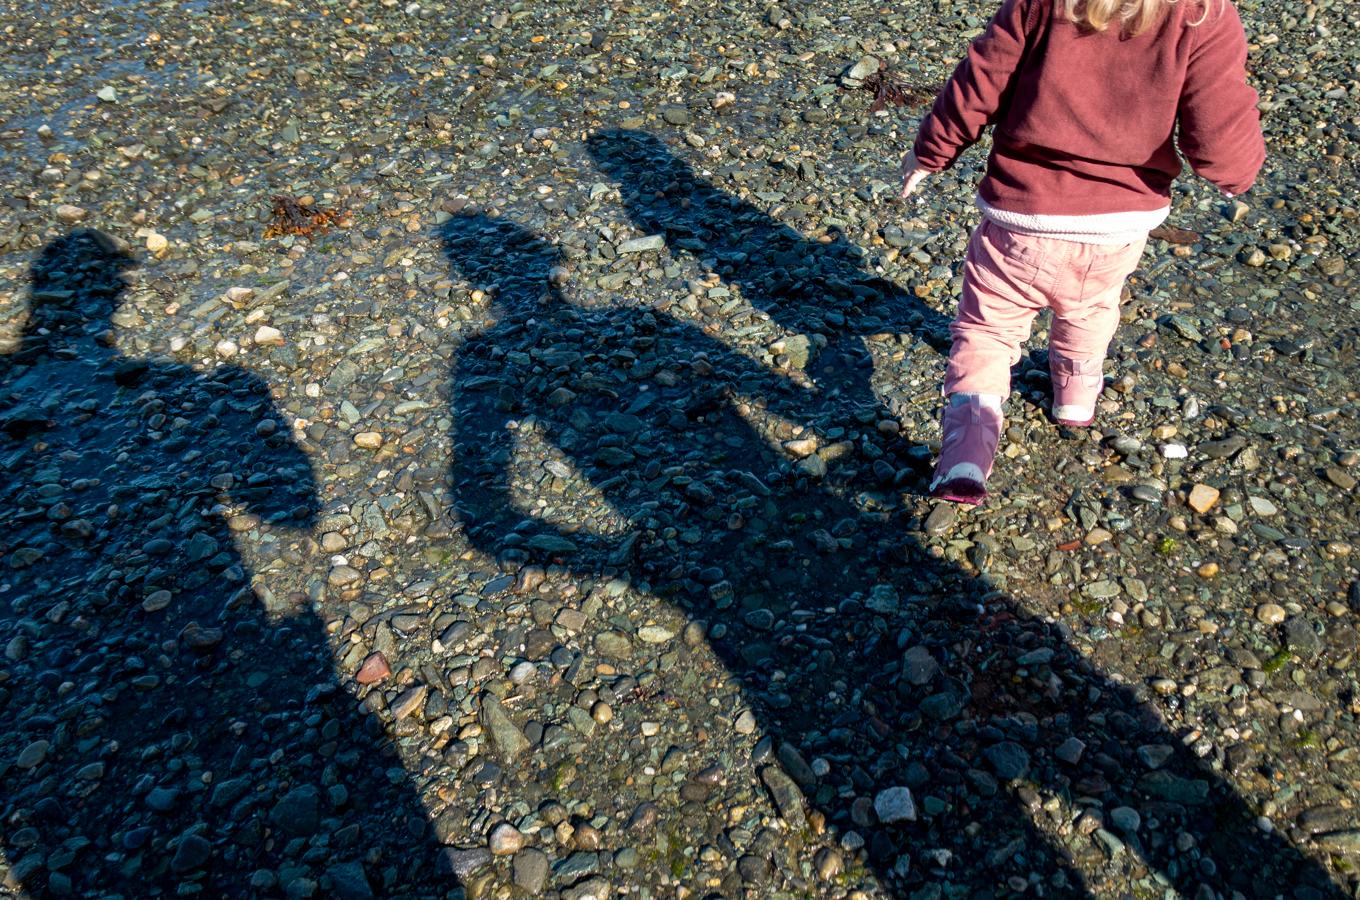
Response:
column 1101, row 228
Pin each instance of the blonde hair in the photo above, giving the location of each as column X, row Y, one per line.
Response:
column 1133, row 16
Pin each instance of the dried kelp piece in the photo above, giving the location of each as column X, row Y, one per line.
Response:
column 1174, row 235
column 291, row 216
column 887, row 89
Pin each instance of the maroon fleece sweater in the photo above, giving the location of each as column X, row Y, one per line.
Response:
column 1088, row 122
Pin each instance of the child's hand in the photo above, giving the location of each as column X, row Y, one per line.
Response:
column 912, row 173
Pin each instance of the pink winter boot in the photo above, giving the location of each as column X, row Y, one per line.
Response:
column 1077, row 384
column 972, row 429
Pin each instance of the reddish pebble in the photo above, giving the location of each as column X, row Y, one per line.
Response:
column 373, row 670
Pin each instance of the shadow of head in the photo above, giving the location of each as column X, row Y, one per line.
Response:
column 622, row 151
column 510, row 262
column 664, row 192
column 78, row 283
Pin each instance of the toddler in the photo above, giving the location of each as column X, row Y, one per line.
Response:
column 1090, row 99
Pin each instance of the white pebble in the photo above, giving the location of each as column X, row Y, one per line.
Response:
column 895, row 804
column 746, row 722
column 267, row 335
column 1174, row 451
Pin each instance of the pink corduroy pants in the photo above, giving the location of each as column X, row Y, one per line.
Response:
column 1008, row 277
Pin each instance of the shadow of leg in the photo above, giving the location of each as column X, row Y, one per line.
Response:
column 857, row 649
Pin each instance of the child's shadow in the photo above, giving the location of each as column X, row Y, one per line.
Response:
column 872, row 664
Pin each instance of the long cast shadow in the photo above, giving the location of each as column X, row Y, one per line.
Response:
column 160, row 731
column 804, row 285
column 855, row 644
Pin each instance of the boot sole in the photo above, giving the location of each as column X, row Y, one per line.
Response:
column 961, row 490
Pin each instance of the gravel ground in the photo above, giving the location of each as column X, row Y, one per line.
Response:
column 548, row 521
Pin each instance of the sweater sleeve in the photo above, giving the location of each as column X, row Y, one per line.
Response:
column 971, row 99
column 1220, row 126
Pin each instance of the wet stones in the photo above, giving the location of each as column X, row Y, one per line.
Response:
column 32, row 755
column 343, row 576
column 613, row 644
column 787, row 797
column 192, row 853
column 919, row 665
column 298, row 812
column 1270, row 613
column 942, row 517
column 1008, row 759
column 506, row 736
column 682, row 391
column 505, row 840
column 651, row 242
column 373, row 670
column 1330, row 817
column 462, row 863
column 895, row 805
column 348, row 881
column 530, row 870
column 409, row 701
column 268, row 336
column 855, row 74
column 1202, row 498
column 1301, row 637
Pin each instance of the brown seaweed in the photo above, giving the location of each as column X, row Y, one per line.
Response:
column 888, row 89
column 289, row 215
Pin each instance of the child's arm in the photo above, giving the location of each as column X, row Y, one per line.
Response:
column 1220, row 127
column 971, row 99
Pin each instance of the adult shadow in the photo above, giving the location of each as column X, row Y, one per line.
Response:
column 854, row 645
column 160, row 729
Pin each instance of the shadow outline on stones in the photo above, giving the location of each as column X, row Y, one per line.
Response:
column 852, row 643
column 163, row 722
